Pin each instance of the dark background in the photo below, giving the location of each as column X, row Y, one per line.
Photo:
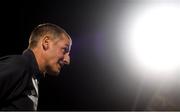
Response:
column 90, row 82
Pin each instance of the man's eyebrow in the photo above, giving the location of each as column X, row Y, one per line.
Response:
column 67, row 45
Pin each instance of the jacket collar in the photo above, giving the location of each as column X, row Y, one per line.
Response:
column 33, row 63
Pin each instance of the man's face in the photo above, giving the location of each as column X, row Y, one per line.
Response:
column 58, row 55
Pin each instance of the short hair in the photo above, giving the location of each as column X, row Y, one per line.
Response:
column 43, row 29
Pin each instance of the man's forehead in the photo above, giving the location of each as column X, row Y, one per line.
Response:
column 66, row 42
column 65, row 37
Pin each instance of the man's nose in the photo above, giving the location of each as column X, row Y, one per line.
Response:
column 66, row 59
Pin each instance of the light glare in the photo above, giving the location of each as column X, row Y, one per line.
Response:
column 154, row 39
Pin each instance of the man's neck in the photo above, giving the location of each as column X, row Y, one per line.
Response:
column 40, row 60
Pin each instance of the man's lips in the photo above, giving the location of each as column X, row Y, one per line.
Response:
column 61, row 63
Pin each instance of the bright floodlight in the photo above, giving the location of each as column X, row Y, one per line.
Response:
column 155, row 38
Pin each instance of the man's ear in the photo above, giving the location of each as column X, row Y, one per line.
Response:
column 45, row 42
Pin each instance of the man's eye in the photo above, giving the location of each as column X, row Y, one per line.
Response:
column 65, row 50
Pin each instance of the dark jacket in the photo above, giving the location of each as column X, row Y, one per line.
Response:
column 16, row 72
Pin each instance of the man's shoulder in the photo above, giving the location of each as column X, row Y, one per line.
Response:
column 16, row 60
column 14, row 66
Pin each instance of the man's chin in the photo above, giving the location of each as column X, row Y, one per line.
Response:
column 54, row 73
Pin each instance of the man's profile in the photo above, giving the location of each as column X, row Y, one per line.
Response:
column 47, row 52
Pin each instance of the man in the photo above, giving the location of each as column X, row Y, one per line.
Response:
column 48, row 50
